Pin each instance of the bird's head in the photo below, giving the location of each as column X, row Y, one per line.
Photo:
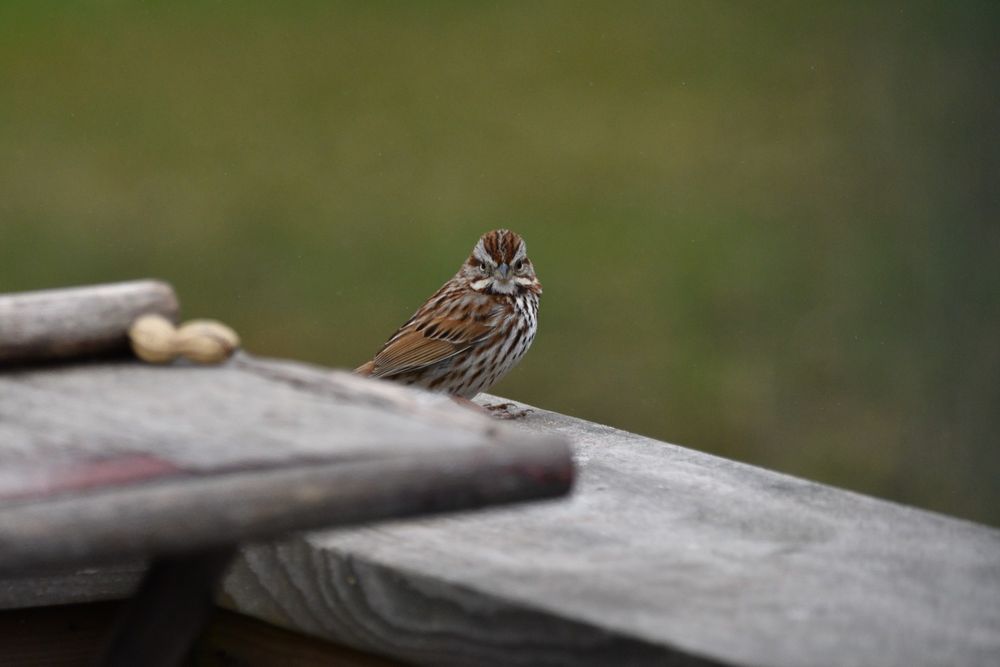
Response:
column 499, row 264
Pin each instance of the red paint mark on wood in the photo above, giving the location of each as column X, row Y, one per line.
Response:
column 48, row 480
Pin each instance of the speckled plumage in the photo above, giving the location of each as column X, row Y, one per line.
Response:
column 474, row 329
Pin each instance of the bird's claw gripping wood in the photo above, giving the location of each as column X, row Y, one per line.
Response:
column 507, row 410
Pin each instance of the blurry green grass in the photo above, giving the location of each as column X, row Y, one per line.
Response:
column 770, row 233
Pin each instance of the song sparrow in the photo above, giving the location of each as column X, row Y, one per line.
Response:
column 471, row 331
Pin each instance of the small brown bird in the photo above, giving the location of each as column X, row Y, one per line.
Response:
column 474, row 329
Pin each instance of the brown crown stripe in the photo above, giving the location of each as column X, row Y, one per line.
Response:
column 501, row 245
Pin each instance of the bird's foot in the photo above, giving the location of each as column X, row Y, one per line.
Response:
column 507, row 410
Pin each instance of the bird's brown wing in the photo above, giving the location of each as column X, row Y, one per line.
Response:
column 417, row 346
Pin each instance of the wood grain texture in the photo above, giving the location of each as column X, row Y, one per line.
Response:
column 76, row 322
column 347, row 598
column 248, row 450
column 662, row 556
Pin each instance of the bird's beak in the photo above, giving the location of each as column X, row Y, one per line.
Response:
column 503, row 270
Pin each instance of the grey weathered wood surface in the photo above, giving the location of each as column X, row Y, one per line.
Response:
column 125, row 460
column 663, row 555
column 77, row 321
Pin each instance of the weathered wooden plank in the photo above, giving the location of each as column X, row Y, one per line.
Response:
column 181, row 515
column 662, row 556
column 119, row 461
column 78, row 321
column 373, row 606
column 45, row 588
column 248, row 412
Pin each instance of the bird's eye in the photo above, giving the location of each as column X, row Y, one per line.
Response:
column 518, row 264
column 482, row 267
